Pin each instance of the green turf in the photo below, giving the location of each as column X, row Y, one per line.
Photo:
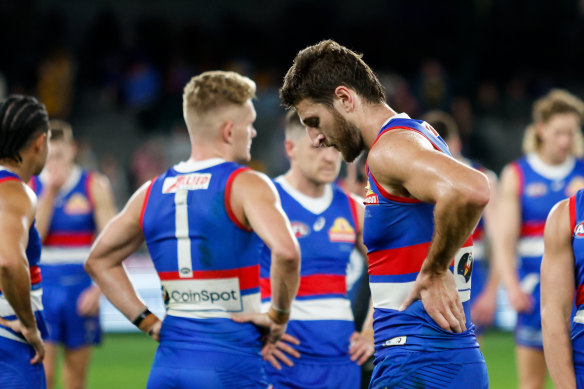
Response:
column 123, row 361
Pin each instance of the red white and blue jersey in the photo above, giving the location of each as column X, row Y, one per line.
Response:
column 540, row 187
column 326, row 229
column 207, row 261
column 576, row 206
column 72, row 228
column 397, row 232
column 33, row 254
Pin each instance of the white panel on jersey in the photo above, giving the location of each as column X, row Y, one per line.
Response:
column 319, row 309
column 579, row 317
column 61, row 255
column 478, row 251
column 183, row 240
column 203, row 295
column 251, row 304
column 389, row 295
column 530, row 247
column 36, row 303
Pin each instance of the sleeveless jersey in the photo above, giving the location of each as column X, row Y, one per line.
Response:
column 398, row 232
column 539, row 191
column 208, row 263
column 321, row 316
column 576, row 205
column 33, row 254
column 71, row 231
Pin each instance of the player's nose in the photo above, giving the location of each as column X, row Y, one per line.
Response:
column 316, row 137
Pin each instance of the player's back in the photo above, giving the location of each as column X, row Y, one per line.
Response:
column 208, row 263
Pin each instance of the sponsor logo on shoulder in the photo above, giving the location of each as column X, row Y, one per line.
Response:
column 370, row 197
column 397, row 341
column 193, row 181
column 579, row 231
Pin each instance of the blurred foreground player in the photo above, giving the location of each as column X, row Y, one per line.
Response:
column 73, row 205
column 328, row 223
column 420, row 210
column 24, row 132
column 548, row 173
column 200, row 219
column 485, row 280
column 562, row 284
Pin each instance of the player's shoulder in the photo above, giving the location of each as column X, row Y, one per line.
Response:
column 18, row 196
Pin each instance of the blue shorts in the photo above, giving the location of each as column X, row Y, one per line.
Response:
column 175, row 368
column 16, row 372
column 316, row 374
column 65, row 325
column 447, row 369
column 528, row 327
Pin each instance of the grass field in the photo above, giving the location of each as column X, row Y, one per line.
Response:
column 124, row 361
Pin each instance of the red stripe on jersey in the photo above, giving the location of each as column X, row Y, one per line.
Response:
column 9, row 178
column 265, row 288
column 389, row 196
column 69, row 239
column 478, row 233
column 145, row 203
column 580, row 295
column 35, row 275
column 230, row 212
column 249, row 277
column 515, row 166
column 322, row 284
column 572, row 206
column 532, row 229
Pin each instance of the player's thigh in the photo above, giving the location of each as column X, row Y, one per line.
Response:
column 50, row 362
column 531, row 367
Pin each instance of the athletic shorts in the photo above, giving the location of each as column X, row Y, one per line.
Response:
column 315, row 374
column 447, row 369
column 528, row 327
column 65, row 325
column 175, row 368
column 16, row 372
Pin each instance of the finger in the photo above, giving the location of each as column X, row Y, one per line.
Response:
column 242, row 318
column 408, row 301
column 458, row 312
column 453, row 321
column 287, row 349
column 282, row 357
column 5, row 322
column 440, row 320
column 290, row 339
column 274, row 362
column 366, row 355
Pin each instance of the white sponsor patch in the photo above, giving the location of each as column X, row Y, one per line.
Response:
column 203, row 295
column 193, row 181
column 397, row 341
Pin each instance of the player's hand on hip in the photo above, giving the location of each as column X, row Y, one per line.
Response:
column 361, row 348
column 272, row 332
column 32, row 336
column 440, row 299
column 282, row 352
column 154, row 331
column 520, row 301
column 88, row 301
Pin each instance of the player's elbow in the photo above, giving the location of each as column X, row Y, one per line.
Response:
column 476, row 193
column 90, row 266
column 287, row 255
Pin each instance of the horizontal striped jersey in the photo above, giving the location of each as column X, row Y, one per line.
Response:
column 33, row 254
column 208, row 263
column 326, row 229
column 397, row 232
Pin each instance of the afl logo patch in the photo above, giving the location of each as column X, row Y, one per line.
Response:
column 299, row 229
column 465, row 266
column 165, row 296
column 579, row 231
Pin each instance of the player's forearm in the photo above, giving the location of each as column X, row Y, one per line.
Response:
column 454, row 220
column 15, row 281
column 558, row 349
column 45, row 208
column 284, row 277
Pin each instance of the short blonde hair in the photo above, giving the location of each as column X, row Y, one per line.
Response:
column 555, row 102
column 60, row 130
column 210, row 90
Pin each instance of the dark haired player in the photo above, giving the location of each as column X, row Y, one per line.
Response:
column 420, row 210
column 24, row 132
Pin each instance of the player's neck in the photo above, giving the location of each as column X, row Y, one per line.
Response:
column 303, row 185
column 373, row 117
column 548, row 159
column 21, row 169
column 201, row 151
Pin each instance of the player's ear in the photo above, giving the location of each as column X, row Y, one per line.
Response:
column 227, row 131
column 289, row 148
column 41, row 141
column 344, row 99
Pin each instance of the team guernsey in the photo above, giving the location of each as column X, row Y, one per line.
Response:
column 15, row 352
column 209, row 268
column 411, row 350
column 71, row 232
column 321, row 316
column 576, row 206
column 540, row 187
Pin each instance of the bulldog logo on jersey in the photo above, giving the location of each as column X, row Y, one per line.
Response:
column 299, row 229
column 574, row 186
column 342, row 231
column 579, row 231
column 465, row 266
column 370, row 196
column 77, row 205
column 536, row 189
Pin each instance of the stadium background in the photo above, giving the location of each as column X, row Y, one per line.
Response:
column 115, row 69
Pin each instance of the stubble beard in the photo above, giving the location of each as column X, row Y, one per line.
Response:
column 349, row 140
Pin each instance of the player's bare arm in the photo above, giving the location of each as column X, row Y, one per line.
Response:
column 506, row 235
column 557, row 296
column 56, row 178
column 104, row 211
column 17, row 205
column 122, row 236
column 405, row 164
column 256, row 203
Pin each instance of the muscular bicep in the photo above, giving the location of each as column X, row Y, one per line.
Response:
column 406, row 164
column 557, row 267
